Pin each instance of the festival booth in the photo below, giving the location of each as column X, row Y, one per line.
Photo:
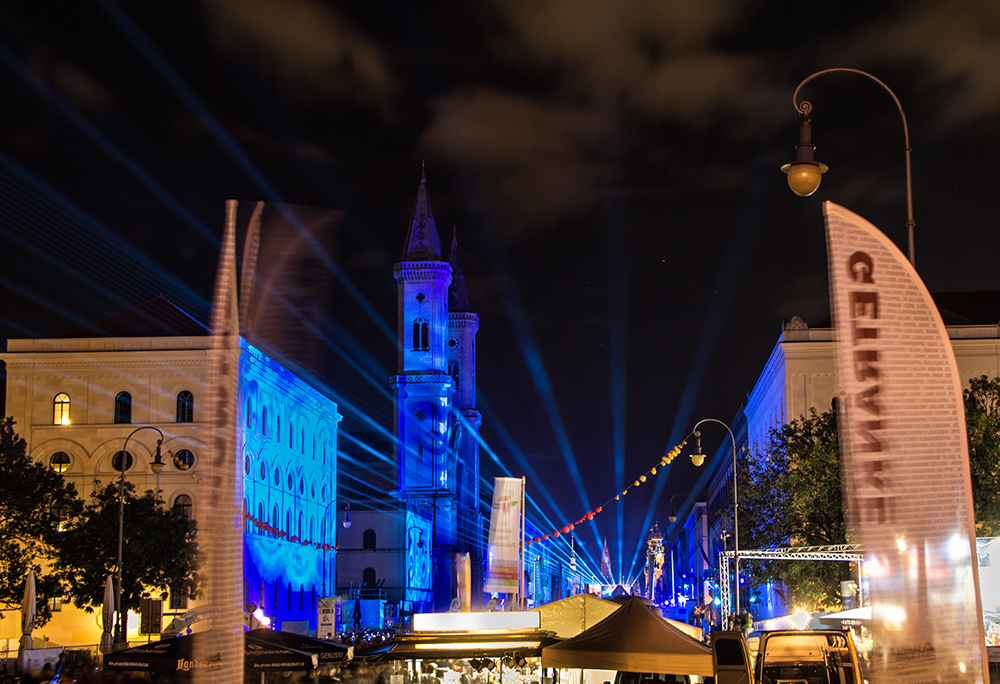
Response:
column 632, row 639
column 447, row 645
column 569, row 616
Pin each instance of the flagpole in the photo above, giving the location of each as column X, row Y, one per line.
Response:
column 520, row 555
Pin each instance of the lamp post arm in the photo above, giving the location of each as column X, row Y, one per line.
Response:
column 122, row 627
column 736, row 507
column 805, row 107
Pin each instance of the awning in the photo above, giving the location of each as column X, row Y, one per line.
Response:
column 465, row 645
column 174, row 655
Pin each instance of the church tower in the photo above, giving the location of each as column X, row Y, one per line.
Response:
column 437, row 438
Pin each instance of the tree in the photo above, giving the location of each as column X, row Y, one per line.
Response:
column 33, row 500
column 982, row 423
column 159, row 549
column 791, row 495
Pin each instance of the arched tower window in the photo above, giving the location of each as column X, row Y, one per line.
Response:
column 123, row 407
column 421, row 335
column 368, row 540
column 60, row 409
column 185, row 407
column 368, row 577
column 453, row 372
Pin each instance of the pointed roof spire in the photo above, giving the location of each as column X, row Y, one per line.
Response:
column 458, row 293
column 422, row 240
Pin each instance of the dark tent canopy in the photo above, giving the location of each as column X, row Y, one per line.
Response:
column 177, row 655
column 632, row 639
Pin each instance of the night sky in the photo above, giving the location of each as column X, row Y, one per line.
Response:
column 611, row 170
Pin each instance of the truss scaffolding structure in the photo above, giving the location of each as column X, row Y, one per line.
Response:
column 837, row 552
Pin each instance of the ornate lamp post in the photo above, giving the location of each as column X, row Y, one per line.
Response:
column 698, row 457
column 804, row 174
column 157, row 467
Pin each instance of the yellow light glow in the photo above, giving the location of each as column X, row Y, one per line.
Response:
column 475, row 645
column 470, row 622
column 901, row 543
column 64, row 421
column 804, row 177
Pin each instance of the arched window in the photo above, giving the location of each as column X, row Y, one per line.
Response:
column 183, row 459
column 288, row 524
column 453, row 371
column 260, row 516
column 300, row 525
column 421, row 335
column 368, row 540
column 248, row 526
column 183, row 504
column 185, row 407
column 60, row 409
column 368, row 577
column 274, row 519
column 60, row 461
column 263, row 420
column 116, row 461
column 123, row 407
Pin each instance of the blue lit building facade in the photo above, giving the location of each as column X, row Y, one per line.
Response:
column 288, row 436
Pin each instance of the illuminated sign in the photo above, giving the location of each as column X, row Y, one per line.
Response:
column 469, row 622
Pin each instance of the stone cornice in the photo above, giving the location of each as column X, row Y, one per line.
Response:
column 422, row 271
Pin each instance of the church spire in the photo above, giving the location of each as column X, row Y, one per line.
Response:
column 422, row 240
column 458, row 293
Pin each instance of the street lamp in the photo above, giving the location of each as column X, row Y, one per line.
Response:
column 346, row 524
column 736, row 531
column 804, row 174
column 157, row 467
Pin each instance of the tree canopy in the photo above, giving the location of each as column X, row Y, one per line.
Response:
column 159, row 549
column 791, row 495
column 34, row 499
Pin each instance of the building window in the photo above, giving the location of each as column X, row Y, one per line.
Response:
column 183, row 459
column 368, row 540
column 185, row 407
column 60, row 461
column 453, row 371
column 123, row 407
column 248, row 527
column 55, row 605
column 183, row 505
column 421, row 335
column 116, row 461
column 179, row 599
column 274, row 521
column 368, row 577
column 60, row 409
column 260, row 516
column 263, row 420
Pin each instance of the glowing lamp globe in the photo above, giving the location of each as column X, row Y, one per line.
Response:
column 697, row 459
column 804, row 176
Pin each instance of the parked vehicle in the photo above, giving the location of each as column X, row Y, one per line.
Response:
column 807, row 657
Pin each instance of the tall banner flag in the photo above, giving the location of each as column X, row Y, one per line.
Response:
column 908, row 494
column 222, row 535
column 505, row 535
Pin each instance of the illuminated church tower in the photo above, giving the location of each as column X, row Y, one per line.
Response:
column 436, row 420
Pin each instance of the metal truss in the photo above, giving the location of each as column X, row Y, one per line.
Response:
column 835, row 552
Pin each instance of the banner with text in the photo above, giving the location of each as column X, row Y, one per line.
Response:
column 505, row 535
column 905, row 460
